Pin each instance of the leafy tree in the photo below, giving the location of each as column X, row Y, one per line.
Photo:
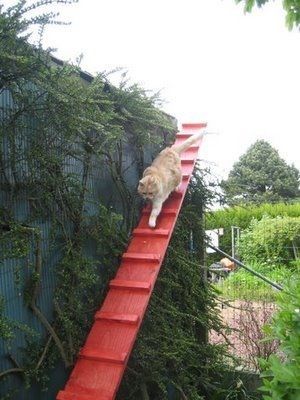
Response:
column 16, row 26
column 261, row 175
column 292, row 8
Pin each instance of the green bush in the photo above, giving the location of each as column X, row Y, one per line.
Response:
column 270, row 241
column 281, row 376
column 241, row 216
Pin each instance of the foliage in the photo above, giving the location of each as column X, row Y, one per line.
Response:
column 64, row 134
column 244, row 286
column 251, row 323
column 268, row 246
column 292, row 8
column 247, row 336
column 261, row 176
column 22, row 62
column 270, row 241
column 14, row 241
column 241, row 216
column 282, row 374
column 6, row 328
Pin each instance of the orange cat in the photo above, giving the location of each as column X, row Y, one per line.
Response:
column 163, row 176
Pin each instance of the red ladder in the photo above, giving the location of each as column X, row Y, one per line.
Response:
column 102, row 360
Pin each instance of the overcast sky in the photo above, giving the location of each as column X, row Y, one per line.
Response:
column 211, row 62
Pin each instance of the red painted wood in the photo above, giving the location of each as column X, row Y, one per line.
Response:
column 135, row 256
column 101, row 362
column 187, row 161
column 151, row 232
column 189, row 126
column 111, row 316
column 64, row 395
column 89, row 353
column 132, row 285
column 164, row 211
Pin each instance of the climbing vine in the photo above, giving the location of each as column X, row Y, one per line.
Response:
column 71, row 149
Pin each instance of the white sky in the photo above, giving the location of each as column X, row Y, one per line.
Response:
column 239, row 73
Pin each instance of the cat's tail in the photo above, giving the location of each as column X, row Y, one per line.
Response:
column 187, row 143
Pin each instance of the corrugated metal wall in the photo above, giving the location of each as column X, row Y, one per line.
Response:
column 14, row 271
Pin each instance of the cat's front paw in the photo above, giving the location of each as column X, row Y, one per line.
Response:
column 152, row 223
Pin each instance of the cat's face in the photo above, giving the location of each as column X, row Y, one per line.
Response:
column 148, row 187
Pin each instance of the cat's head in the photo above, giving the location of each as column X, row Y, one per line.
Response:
column 149, row 187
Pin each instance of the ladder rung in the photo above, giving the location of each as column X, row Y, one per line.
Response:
column 177, row 194
column 105, row 356
column 187, row 161
column 149, row 257
column 111, row 316
column 133, row 285
column 146, row 211
column 195, row 125
column 151, row 232
column 169, row 211
column 164, row 211
column 183, row 135
column 70, row 395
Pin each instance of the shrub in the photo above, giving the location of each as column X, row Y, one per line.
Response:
column 270, row 241
column 241, row 216
column 250, row 322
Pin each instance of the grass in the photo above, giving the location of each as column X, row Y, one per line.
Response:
column 245, row 286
